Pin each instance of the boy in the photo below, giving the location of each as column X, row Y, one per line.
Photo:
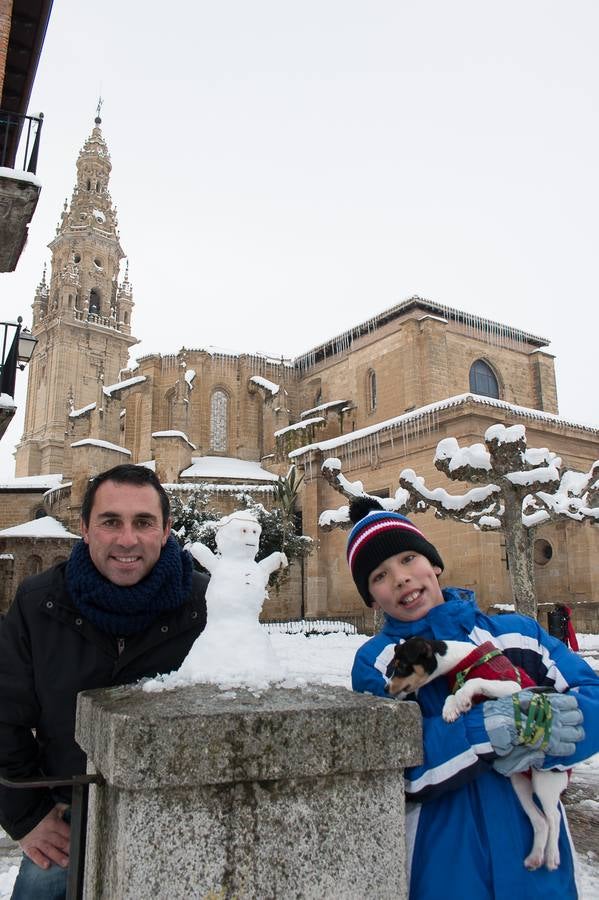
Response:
column 467, row 834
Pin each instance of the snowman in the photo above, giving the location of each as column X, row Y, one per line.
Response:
column 234, row 649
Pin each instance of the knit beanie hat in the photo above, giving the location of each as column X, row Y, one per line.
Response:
column 378, row 534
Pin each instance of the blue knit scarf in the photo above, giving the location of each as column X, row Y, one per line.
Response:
column 128, row 610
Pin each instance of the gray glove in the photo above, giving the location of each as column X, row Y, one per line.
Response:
column 534, row 723
column 520, row 759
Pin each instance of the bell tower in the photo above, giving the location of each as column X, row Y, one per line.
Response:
column 81, row 317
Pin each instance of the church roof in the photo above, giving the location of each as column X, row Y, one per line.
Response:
column 424, row 419
column 485, row 329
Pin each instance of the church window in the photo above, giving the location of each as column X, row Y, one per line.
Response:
column 40, row 513
column 97, row 187
column 483, row 380
column 218, row 421
column 89, row 184
column 126, row 318
column 76, row 257
column 33, row 566
column 94, row 302
column 371, row 387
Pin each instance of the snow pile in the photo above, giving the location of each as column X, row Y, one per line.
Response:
column 476, row 455
column 226, row 467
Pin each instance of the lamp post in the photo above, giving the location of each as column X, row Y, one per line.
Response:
column 16, row 353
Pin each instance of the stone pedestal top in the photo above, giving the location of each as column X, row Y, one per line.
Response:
column 203, row 735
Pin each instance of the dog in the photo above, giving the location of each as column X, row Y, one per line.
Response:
column 418, row 661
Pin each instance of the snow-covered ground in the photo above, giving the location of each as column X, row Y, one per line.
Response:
column 327, row 659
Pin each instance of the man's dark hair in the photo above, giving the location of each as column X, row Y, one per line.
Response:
column 125, row 474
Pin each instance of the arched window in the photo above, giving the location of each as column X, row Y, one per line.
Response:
column 94, row 302
column 483, row 380
column 371, row 388
column 33, row 566
column 40, row 513
column 218, row 421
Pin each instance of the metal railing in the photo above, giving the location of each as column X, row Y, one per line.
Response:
column 24, row 132
column 349, row 623
column 80, row 785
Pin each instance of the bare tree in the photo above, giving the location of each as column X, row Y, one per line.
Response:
column 516, row 489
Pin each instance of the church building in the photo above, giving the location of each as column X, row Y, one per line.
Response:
column 378, row 398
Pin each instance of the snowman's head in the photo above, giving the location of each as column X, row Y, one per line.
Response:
column 238, row 535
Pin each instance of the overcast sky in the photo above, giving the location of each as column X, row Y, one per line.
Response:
column 285, row 170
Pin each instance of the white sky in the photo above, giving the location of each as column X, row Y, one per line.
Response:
column 285, row 170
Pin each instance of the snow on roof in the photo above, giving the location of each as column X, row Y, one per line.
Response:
column 190, row 374
column 425, row 411
column 80, row 412
column 298, row 425
column 108, row 392
column 46, row 527
column 129, row 382
column 485, row 329
column 266, row 384
column 329, row 405
column 181, row 434
column 19, row 175
column 96, row 443
column 43, row 482
column 7, row 402
column 227, row 467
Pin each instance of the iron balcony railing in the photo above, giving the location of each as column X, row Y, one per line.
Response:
column 20, row 139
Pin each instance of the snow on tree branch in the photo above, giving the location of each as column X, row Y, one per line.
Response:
column 339, row 518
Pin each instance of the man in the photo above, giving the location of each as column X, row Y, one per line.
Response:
column 126, row 604
column 467, row 834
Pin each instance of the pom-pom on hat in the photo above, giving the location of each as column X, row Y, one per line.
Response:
column 378, row 534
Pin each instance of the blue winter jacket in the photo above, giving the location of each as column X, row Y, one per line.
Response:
column 467, row 834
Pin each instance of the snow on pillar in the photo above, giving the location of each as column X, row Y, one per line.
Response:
column 172, row 452
column 243, row 794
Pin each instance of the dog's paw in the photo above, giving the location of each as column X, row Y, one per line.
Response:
column 552, row 859
column 463, row 703
column 534, row 860
column 450, row 710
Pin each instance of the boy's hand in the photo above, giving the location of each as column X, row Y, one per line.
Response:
column 552, row 726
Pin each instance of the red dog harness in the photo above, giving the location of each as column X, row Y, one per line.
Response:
column 489, row 663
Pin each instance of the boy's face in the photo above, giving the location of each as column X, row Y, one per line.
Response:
column 405, row 586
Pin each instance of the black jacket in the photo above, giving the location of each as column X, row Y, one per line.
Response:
column 49, row 653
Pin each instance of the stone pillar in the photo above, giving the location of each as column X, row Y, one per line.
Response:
column 253, row 796
column 172, row 452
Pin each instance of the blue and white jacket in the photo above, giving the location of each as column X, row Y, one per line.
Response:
column 467, row 833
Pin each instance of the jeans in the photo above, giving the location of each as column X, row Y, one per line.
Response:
column 34, row 883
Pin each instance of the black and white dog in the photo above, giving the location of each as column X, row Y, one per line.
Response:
column 418, row 661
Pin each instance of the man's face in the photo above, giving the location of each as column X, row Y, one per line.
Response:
column 405, row 586
column 125, row 534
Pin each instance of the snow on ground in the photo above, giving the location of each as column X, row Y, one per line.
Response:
column 327, row 659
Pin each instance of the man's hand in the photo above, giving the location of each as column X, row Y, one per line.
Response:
column 48, row 842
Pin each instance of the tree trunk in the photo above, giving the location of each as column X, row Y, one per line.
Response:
column 519, row 542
